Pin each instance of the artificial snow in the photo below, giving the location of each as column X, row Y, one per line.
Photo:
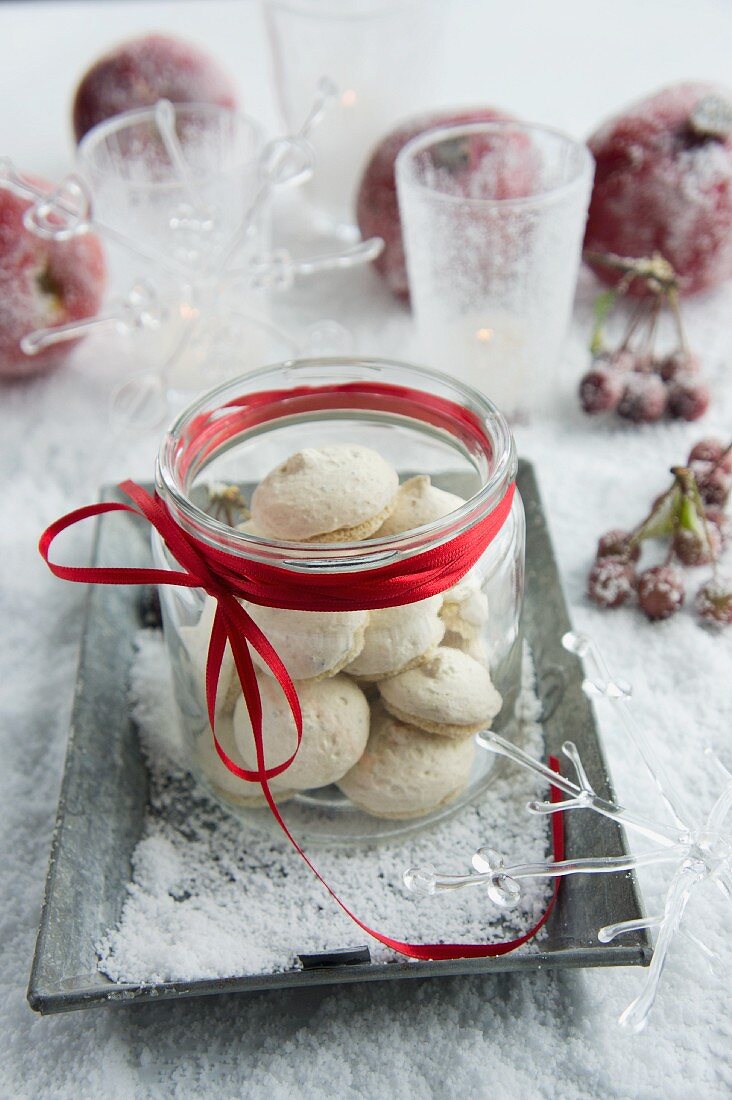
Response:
column 211, row 898
column 540, row 1035
column 501, row 1035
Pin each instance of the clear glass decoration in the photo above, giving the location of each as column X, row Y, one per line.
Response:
column 382, row 58
column 493, row 217
column 697, row 845
column 479, row 618
column 181, row 195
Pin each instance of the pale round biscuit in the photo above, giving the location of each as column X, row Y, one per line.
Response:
column 196, row 641
column 474, row 647
column 397, row 638
column 417, row 503
column 248, row 527
column 226, row 785
column 404, row 772
column 362, row 531
column 335, row 718
column 465, row 607
column 323, row 491
column 312, row 645
column 450, row 694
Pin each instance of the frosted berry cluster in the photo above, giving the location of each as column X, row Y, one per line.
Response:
column 633, row 379
column 690, row 518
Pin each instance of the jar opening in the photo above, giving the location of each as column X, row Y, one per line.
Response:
column 379, row 394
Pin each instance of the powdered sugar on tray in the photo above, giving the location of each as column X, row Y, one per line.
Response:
column 210, row 897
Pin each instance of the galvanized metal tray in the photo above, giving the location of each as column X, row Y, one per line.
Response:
column 105, row 787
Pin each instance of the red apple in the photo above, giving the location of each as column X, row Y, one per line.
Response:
column 663, row 182
column 140, row 72
column 377, row 211
column 42, row 284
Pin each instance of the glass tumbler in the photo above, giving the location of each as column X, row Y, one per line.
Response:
column 365, row 769
column 493, row 217
column 176, row 202
column 381, row 57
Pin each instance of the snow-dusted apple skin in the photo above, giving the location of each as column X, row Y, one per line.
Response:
column 377, row 210
column 140, row 72
column 42, row 284
column 662, row 185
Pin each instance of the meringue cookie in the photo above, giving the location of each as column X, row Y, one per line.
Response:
column 311, row 644
column 474, row 647
column 405, row 772
column 450, row 694
column 249, row 527
column 465, row 607
column 418, row 502
column 338, row 493
column 397, row 638
column 225, row 784
column 196, row 640
column 335, row 716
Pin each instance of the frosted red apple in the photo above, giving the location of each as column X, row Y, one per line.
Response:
column 663, row 182
column 140, row 72
column 42, row 284
column 377, row 210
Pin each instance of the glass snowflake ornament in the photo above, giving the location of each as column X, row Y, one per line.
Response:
column 208, row 270
column 699, row 851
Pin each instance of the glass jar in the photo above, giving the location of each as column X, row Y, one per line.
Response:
column 391, row 698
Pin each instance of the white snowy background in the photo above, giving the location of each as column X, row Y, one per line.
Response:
column 546, row 1035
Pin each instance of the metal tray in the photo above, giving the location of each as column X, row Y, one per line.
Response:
column 104, row 793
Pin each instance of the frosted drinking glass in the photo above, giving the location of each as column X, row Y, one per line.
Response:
column 493, row 216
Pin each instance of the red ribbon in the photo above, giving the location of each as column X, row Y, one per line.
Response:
column 227, row 579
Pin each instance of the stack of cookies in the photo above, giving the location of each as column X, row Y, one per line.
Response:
column 391, row 698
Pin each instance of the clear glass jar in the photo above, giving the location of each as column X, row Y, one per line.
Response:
column 354, row 669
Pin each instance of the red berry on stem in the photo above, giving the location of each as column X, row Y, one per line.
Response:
column 693, row 549
column 611, row 582
column 624, row 360
column 617, row 544
column 707, row 450
column 661, row 591
column 600, row 390
column 713, row 482
column 679, row 363
column 714, row 602
column 718, row 518
column 688, row 399
column 714, row 451
column 644, row 399
column 642, row 363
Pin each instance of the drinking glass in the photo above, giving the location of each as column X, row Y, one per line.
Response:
column 493, row 217
column 178, row 194
column 179, row 191
column 381, row 58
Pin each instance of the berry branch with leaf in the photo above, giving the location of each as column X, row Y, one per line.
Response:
column 632, row 379
column 690, row 517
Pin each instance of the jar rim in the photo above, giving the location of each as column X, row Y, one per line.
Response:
column 324, row 555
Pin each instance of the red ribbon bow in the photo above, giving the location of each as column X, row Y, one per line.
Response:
column 228, row 580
